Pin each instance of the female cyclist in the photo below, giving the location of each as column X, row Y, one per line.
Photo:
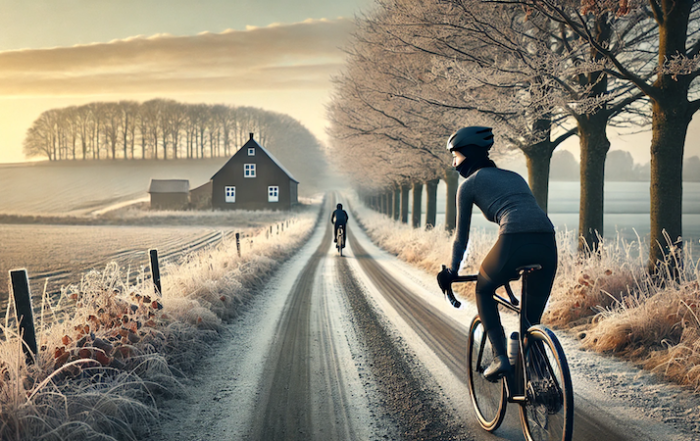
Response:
column 525, row 236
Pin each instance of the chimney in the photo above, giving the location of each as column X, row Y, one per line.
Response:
column 251, row 135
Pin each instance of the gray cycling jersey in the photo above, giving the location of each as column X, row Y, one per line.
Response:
column 505, row 198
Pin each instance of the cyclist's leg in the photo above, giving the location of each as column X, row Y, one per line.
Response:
column 335, row 232
column 345, row 234
column 510, row 252
column 490, row 274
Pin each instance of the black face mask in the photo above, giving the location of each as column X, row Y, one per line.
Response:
column 463, row 168
column 473, row 162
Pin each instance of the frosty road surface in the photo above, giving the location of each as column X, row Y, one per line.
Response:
column 361, row 347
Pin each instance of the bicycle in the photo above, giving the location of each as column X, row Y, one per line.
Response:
column 540, row 381
column 339, row 241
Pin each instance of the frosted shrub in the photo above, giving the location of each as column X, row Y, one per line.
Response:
column 586, row 284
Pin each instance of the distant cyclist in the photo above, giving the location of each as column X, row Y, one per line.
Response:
column 525, row 236
column 338, row 218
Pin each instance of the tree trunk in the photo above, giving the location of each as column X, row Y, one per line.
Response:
column 594, row 148
column 669, row 131
column 404, row 203
column 671, row 115
column 416, row 206
column 397, row 203
column 452, row 181
column 385, row 207
column 431, row 203
column 538, row 159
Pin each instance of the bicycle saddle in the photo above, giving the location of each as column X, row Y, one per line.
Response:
column 527, row 269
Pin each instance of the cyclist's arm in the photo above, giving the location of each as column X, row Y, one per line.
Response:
column 347, row 218
column 333, row 218
column 465, row 202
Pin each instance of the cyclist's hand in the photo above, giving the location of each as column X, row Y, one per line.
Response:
column 445, row 278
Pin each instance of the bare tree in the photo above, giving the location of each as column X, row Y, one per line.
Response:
column 669, row 89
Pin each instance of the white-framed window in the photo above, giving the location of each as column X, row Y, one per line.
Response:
column 230, row 194
column 273, row 194
column 251, row 151
column 249, row 170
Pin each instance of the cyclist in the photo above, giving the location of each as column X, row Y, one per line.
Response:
column 525, row 237
column 339, row 218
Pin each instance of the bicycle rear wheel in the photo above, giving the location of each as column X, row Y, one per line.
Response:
column 340, row 242
column 489, row 398
column 548, row 413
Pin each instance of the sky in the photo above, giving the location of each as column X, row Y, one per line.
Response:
column 275, row 54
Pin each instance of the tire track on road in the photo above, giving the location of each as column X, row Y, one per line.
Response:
column 412, row 406
column 303, row 395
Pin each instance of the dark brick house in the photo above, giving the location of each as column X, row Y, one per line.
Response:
column 253, row 179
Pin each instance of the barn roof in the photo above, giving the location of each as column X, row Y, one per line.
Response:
column 169, row 186
column 252, row 143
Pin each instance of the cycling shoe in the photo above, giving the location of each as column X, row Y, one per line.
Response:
column 497, row 369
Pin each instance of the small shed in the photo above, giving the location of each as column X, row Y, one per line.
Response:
column 169, row 194
column 253, row 179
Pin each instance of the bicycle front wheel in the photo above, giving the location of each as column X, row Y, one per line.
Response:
column 489, row 398
column 548, row 412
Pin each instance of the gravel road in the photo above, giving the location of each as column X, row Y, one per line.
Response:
column 361, row 347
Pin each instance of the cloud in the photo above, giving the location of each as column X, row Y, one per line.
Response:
column 300, row 55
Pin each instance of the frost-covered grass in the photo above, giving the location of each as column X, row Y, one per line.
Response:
column 607, row 298
column 104, row 364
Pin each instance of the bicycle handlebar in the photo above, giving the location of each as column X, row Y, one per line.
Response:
column 473, row 277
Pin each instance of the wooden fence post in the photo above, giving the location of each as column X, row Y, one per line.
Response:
column 155, row 270
column 23, row 309
column 238, row 244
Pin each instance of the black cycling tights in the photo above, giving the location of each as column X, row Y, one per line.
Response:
column 510, row 252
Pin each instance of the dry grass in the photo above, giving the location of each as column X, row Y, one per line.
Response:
column 607, row 298
column 103, row 365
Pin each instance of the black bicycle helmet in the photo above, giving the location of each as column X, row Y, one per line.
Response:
column 339, row 206
column 473, row 136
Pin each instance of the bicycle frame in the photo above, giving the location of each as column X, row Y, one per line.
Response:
column 515, row 386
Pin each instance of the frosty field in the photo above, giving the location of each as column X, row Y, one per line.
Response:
column 62, row 253
column 626, row 210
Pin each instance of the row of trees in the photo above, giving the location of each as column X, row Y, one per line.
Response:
column 166, row 129
column 538, row 71
column 155, row 129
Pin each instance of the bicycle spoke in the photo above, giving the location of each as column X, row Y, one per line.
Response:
column 548, row 412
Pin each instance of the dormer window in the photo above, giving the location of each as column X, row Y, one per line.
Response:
column 249, row 170
column 251, row 151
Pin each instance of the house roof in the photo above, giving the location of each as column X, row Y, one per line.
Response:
column 169, row 186
column 252, row 143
